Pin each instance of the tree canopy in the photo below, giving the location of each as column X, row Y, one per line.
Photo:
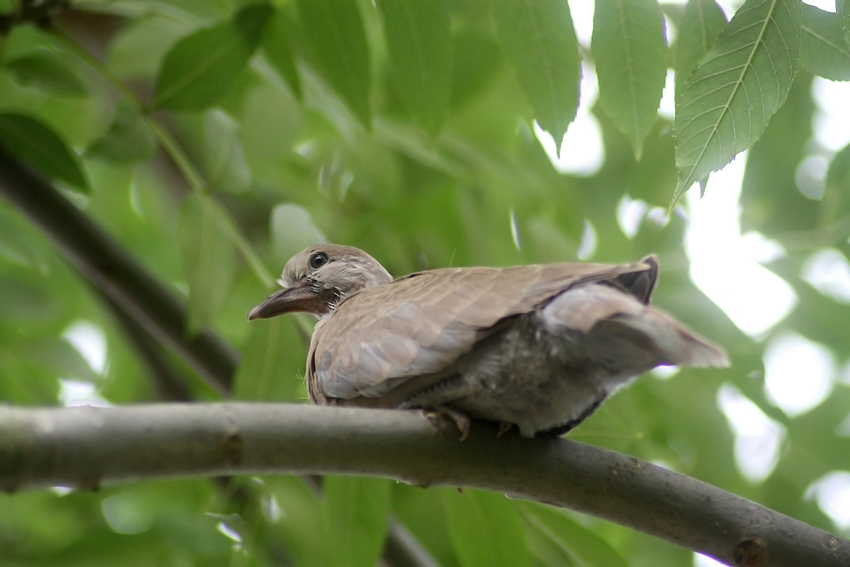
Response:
column 190, row 147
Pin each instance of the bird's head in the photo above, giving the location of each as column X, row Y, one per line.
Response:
column 318, row 278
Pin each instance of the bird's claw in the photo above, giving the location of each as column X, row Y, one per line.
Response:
column 459, row 419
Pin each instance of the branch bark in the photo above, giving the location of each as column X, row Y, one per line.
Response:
column 86, row 447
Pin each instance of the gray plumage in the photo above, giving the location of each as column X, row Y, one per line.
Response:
column 536, row 346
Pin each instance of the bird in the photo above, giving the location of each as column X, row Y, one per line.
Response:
column 538, row 347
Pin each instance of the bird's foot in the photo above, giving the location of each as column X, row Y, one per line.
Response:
column 459, row 419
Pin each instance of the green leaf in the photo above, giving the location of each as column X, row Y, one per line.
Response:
column 420, row 57
column 355, row 516
column 836, row 197
column 334, row 29
column 25, row 304
column 272, row 365
column 771, row 199
column 198, row 71
column 293, row 230
column 34, row 143
column 540, row 42
column 138, row 49
column 701, row 23
column 299, row 530
column 278, row 49
column 476, row 57
column 631, row 64
column 129, row 139
column 727, row 102
column 17, row 245
column 57, row 356
column 224, row 158
column 209, row 259
column 44, row 71
column 574, row 541
column 843, row 11
column 486, row 529
column 823, row 49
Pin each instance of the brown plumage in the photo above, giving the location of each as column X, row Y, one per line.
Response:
column 536, row 346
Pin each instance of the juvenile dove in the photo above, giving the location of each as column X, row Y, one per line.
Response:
column 539, row 347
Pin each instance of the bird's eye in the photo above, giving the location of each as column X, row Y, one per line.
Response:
column 317, row 260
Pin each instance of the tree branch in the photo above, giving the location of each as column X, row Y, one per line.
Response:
column 85, row 447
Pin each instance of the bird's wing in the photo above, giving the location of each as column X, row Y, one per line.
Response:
column 421, row 324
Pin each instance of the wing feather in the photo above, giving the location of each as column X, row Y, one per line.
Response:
column 421, row 324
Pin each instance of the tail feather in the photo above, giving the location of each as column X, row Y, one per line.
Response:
column 676, row 344
column 641, row 283
column 624, row 328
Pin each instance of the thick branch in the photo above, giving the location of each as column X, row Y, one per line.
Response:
column 84, row 447
column 114, row 272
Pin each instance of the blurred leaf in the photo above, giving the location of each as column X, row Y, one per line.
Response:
column 44, row 71
column 836, row 198
column 817, row 317
column 18, row 244
column 272, row 366
column 652, row 179
column 701, row 23
column 29, row 517
column 126, row 379
column 547, row 241
column 140, row 46
column 334, row 29
column 199, row 69
column 224, row 158
column 23, row 381
column 293, row 230
column 355, row 515
column 36, row 144
column 843, row 10
column 300, row 523
column 771, row 198
column 823, row 49
column 277, row 45
column 476, row 58
column 209, row 260
column 57, row 356
column 574, row 540
column 421, row 512
column 728, row 101
column 129, row 139
column 486, row 529
column 631, row 64
column 270, row 121
column 540, row 42
column 419, row 46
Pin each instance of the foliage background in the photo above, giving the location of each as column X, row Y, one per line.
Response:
column 214, row 139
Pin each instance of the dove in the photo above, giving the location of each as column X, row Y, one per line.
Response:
column 538, row 347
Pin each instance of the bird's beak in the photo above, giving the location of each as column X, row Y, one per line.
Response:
column 299, row 297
